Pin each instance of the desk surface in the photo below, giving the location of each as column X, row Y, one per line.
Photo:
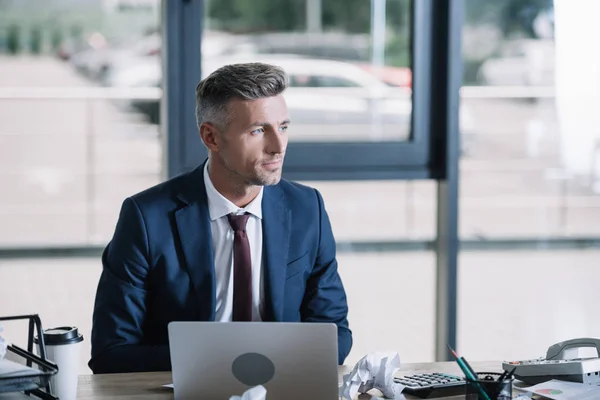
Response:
column 149, row 385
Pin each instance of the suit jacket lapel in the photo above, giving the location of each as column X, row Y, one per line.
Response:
column 276, row 238
column 195, row 236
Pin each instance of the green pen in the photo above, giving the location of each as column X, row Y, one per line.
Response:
column 469, row 374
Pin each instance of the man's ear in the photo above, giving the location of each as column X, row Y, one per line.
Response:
column 208, row 134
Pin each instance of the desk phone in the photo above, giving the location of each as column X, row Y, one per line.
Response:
column 562, row 363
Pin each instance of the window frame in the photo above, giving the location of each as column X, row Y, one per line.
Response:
column 410, row 159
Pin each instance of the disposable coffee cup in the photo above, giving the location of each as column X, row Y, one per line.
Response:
column 63, row 346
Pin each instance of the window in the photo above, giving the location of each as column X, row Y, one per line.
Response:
column 78, row 109
column 529, row 192
column 362, row 120
column 78, row 112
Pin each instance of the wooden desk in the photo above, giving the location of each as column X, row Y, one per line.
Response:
column 149, row 385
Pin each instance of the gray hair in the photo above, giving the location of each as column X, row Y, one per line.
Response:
column 249, row 81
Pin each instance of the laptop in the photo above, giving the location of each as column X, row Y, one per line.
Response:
column 217, row 360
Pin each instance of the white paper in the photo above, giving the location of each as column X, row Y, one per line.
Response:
column 256, row 393
column 374, row 371
column 3, row 344
column 562, row 390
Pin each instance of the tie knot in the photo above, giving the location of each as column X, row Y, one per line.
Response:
column 238, row 222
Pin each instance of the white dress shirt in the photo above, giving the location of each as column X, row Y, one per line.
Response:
column 222, row 240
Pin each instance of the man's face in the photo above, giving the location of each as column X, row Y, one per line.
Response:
column 253, row 144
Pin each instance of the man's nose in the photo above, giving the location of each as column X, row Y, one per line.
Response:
column 276, row 142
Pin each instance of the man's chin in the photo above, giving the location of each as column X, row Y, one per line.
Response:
column 272, row 181
column 268, row 180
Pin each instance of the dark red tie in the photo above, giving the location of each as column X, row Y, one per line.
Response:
column 242, row 269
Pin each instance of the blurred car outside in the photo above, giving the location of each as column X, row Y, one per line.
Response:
column 320, row 91
column 520, row 62
column 371, row 101
column 97, row 63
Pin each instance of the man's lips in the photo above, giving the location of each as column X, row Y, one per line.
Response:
column 273, row 163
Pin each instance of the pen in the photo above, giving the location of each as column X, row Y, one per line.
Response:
column 510, row 374
column 469, row 373
column 501, row 378
column 506, row 374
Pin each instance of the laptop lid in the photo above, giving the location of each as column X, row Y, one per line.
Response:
column 216, row 360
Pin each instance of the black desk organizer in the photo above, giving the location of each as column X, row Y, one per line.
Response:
column 38, row 383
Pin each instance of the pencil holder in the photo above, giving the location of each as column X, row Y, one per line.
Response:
column 488, row 381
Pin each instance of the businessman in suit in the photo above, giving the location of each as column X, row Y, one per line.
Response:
column 229, row 241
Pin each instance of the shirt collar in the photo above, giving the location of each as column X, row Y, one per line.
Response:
column 219, row 206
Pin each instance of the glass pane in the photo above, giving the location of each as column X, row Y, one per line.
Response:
column 348, row 61
column 378, row 295
column 78, row 110
column 525, row 301
column 359, row 211
column 529, row 174
column 382, row 214
column 60, row 290
column 530, row 164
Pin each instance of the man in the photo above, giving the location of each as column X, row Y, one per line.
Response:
column 229, row 241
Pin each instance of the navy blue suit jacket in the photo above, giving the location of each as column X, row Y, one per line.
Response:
column 159, row 267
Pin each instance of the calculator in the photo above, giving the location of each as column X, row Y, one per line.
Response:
column 431, row 385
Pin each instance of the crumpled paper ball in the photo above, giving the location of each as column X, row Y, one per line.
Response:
column 256, row 393
column 3, row 344
column 373, row 371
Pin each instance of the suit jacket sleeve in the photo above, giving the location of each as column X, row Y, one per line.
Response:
column 120, row 306
column 325, row 297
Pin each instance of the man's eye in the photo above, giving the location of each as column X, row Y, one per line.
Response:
column 283, row 128
column 258, row 131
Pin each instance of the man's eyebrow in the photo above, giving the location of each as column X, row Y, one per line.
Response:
column 261, row 123
column 256, row 124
